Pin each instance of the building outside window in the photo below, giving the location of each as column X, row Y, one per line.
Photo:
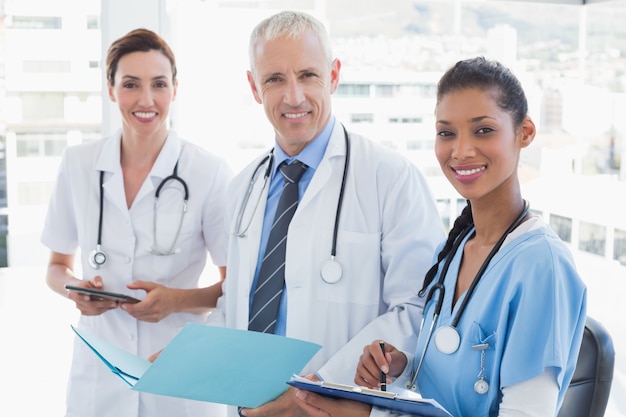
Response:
column 619, row 246
column 562, row 226
column 392, row 54
column 592, row 238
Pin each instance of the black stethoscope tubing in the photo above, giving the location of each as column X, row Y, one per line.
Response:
column 98, row 257
column 101, row 208
column 480, row 272
column 439, row 285
column 173, row 177
column 333, row 250
column 331, row 271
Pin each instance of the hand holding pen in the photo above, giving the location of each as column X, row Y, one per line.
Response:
column 374, row 362
column 383, row 375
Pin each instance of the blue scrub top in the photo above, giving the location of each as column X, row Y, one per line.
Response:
column 529, row 306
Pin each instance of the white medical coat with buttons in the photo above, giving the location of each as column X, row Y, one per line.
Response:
column 388, row 232
column 72, row 222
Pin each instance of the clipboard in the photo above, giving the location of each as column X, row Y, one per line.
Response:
column 212, row 364
column 414, row 405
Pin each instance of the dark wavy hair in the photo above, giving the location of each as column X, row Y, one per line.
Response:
column 508, row 93
column 138, row 40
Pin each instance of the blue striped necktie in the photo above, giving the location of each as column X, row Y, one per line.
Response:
column 271, row 279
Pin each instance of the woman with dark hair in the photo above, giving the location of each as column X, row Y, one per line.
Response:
column 505, row 307
column 143, row 207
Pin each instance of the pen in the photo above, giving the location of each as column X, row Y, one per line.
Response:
column 383, row 376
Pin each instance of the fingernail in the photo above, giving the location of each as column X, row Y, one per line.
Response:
column 385, row 369
column 301, row 394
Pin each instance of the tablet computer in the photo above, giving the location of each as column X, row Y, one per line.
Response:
column 101, row 294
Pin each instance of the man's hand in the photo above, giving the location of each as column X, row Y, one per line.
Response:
column 317, row 406
column 283, row 406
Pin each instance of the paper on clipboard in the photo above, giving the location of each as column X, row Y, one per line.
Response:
column 409, row 403
column 213, row 364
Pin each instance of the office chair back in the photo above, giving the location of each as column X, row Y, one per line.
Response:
column 588, row 393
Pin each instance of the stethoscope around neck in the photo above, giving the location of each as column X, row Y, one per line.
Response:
column 98, row 257
column 331, row 271
column 447, row 338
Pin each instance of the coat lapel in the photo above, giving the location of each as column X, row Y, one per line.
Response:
column 333, row 157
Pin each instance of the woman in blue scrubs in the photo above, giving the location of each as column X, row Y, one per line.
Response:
column 505, row 308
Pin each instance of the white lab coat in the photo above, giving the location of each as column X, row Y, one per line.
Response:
column 388, row 232
column 72, row 222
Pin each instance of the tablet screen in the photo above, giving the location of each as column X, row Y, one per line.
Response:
column 102, row 295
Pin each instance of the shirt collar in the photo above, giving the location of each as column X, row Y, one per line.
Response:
column 312, row 153
column 109, row 159
column 168, row 156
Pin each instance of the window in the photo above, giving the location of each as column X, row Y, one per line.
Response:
column 361, row 117
column 35, row 22
column 562, row 226
column 3, row 196
column 34, row 193
column 385, row 90
column 54, row 147
column 619, row 246
column 443, row 206
column 93, row 22
column 592, row 238
column 40, row 144
column 46, row 66
column 42, row 106
column 406, row 119
column 353, row 90
column 422, row 37
column 28, row 148
column 4, row 225
column 419, row 144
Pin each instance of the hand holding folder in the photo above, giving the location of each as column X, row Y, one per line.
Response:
column 213, row 364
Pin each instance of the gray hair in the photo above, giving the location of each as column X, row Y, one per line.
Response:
column 288, row 24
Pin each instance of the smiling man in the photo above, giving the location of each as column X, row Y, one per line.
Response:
column 358, row 234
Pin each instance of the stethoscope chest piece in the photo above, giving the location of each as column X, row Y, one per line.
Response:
column 447, row 340
column 97, row 258
column 331, row 272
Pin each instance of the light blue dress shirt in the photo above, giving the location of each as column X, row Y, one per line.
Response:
column 311, row 155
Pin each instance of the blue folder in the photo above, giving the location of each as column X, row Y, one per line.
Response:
column 384, row 399
column 212, row 364
column 124, row 364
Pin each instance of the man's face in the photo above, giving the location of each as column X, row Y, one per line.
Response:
column 294, row 81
